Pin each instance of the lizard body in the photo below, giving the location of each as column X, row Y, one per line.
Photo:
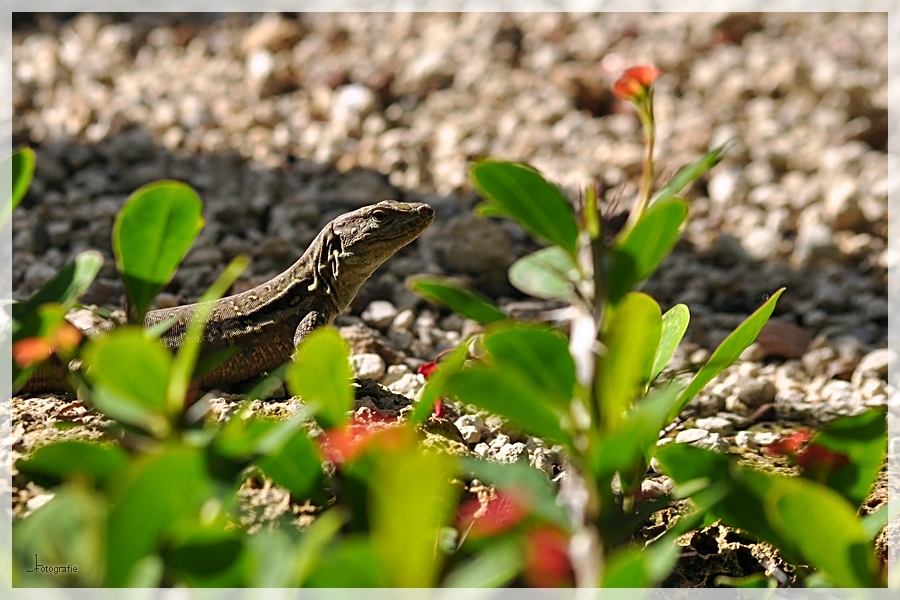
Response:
column 265, row 324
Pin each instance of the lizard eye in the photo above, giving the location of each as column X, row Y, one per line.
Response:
column 379, row 216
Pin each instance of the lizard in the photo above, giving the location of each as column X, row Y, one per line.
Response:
column 264, row 325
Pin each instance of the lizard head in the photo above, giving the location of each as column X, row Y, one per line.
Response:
column 352, row 246
column 372, row 234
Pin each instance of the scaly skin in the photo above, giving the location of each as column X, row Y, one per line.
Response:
column 266, row 323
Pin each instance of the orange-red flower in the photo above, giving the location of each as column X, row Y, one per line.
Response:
column 790, row 445
column 346, row 443
column 547, row 558
column 635, row 82
column 30, row 351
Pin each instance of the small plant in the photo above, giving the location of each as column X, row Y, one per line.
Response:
column 597, row 392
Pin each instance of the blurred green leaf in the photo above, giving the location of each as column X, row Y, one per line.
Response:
column 151, row 235
column 132, row 367
column 68, row 530
column 873, row 523
column 757, row 580
column 825, row 528
column 505, row 394
column 863, row 440
column 636, row 567
column 537, row 205
column 183, row 366
column 205, row 555
column 495, row 566
column 631, row 335
column 66, row 287
column 312, row 544
column 160, row 489
column 321, row 375
column 420, row 483
column 446, row 292
column 728, row 351
column 674, row 324
column 293, row 464
column 350, row 563
column 538, row 356
column 53, row 463
column 22, row 171
column 637, row 256
column 635, row 439
column 548, row 273
column 437, row 383
column 690, row 173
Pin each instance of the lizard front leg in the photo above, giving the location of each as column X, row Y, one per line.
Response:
column 312, row 320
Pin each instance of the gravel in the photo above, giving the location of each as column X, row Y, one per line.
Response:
column 281, row 122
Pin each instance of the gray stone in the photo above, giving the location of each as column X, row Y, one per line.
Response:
column 379, row 314
column 368, row 366
column 875, row 363
column 716, row 425
column 757, row 392
column 691, row 436
column 512, row 453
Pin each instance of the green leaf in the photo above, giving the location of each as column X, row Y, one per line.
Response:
column 420, row 482
column 186, row 358
column 505, row 394
column 824, row 526
column 314, row 540
column 873, row 523
column 293, row 464
column 446, row 292
column 53, row 463
column 728, row 351
column 537, row 205
column 674, row 324
column 548, row 273
column 631, row 335
column 321, row 376
column 66, row 287
column 22, row 173
column 634, row 442
column 637, row 256
column 635, row 567
column 863, row 440
column 160, row 489
column 350, row 563
column 538, row 356
column 131, row 367
column 757, row 580
column 494, row 567
column 151, row 235
column 690, row 173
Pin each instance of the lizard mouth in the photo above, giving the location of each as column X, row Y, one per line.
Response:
column 417, row 223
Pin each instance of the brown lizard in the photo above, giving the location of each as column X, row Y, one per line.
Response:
column 265, row 324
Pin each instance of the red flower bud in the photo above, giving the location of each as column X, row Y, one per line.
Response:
column 426, row 369
column 635, row 82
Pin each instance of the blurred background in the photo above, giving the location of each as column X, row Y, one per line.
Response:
column 283, row 121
